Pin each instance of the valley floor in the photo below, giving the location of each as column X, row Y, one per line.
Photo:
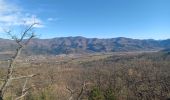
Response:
column 102, row 76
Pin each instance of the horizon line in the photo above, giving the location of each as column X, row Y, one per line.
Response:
column 94, row 38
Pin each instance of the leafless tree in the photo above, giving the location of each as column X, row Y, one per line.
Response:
column 78, row 92
column 21, row 40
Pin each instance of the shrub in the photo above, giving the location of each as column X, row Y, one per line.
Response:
column 96, row 94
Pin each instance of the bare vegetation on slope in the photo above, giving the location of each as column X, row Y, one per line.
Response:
column 127, row 76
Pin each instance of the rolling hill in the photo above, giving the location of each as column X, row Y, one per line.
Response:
column 66, row 45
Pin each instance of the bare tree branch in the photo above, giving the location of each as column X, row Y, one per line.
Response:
column 21, row 44
column 22, row 77
column 72, row 92
column 24, row 89
column 81, row 91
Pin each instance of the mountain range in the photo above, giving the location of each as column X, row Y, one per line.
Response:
column 66, row 45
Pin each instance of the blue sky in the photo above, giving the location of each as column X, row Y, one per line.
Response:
column 141, row 19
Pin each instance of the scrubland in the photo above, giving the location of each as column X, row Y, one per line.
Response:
column 113, row 76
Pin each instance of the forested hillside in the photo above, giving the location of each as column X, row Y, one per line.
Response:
column 66, row 45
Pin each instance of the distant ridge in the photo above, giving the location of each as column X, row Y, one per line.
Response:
column 66, row 45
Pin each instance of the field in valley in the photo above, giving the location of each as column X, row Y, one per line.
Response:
column 102, row 76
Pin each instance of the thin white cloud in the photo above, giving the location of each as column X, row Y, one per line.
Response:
column 12, row 15
column 52, row 19
column 7, row 7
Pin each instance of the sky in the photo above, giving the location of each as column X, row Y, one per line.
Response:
column 139, row 19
